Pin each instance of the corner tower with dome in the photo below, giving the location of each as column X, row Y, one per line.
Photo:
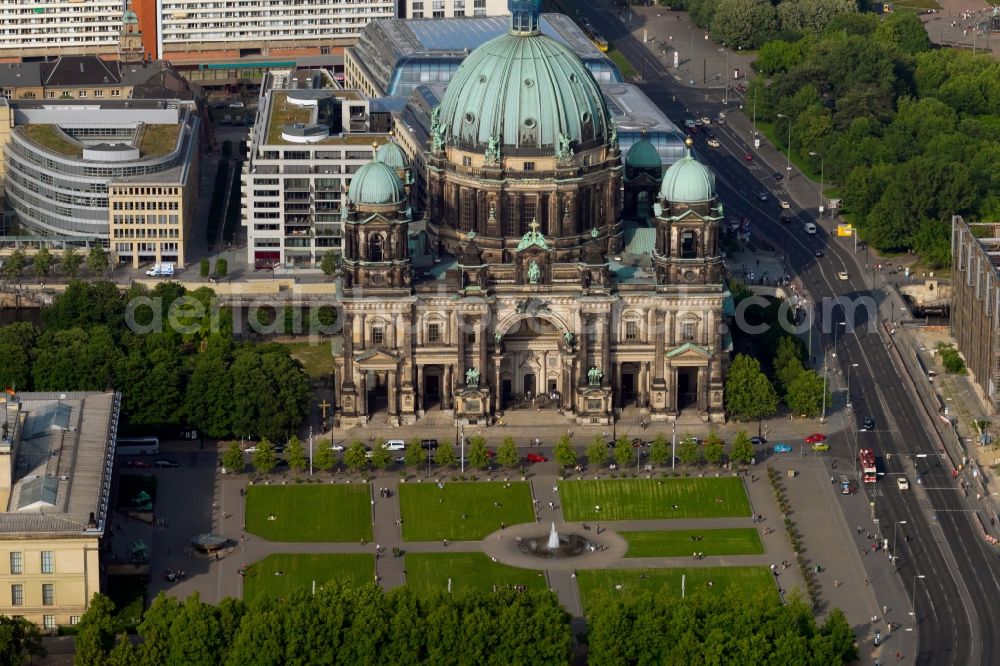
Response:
column 526, row 288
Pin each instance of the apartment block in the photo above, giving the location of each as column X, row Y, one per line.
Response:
column 418, row 9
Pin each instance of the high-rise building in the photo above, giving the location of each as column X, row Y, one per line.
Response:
column 419, row 9
column 34, row 29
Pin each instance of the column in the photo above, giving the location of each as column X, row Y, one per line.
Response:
column 581, row 348
column 659, row 334
column 420, row 389
column 460, row 343
column 483, row 361
column 617, row 388
column 348, row 379
column 446, row 389
column 642, row 391
column 672, row 389
column 392, row 379
column 605, row 344
column 703, row 389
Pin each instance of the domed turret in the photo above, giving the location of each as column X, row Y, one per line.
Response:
column 643, row 155
column 688, row 181
column 376, row 184
column 392, row 155
column 524, row 90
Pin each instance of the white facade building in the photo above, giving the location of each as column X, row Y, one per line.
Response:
column 417, row 9
column 52, row 27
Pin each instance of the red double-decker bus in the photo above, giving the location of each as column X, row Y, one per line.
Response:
column 866, row 459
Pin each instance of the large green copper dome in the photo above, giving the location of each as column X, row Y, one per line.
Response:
column 374, row 184
column 688, row 181
column 523, row 89
column 391, row 154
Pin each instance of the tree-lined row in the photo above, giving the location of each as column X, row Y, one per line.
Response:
column 746, row 24
column 171, row 356
column 43, row 262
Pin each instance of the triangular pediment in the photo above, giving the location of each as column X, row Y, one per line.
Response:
column 377, row 356
column 688, row 350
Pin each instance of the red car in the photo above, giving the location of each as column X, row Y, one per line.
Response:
column 536, row 457
column 748, row 157
column 815, row 438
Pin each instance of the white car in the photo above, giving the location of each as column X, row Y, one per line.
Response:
column 902, row 483
column 713, row 142
column 689, row 123
column 337, row 448
column 842, row 275
column 785, row 204
column 705, row 120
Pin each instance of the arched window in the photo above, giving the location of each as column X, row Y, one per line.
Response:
column 689, row 245
column 375, row 248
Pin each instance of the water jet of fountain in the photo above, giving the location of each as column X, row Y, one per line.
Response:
column 553, row 538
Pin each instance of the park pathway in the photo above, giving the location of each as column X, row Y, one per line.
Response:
column 388, row 533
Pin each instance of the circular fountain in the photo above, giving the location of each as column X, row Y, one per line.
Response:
column 556, row 545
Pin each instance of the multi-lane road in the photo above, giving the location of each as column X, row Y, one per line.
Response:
column 952, row 572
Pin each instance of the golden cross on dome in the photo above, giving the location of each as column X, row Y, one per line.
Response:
column 534, row 226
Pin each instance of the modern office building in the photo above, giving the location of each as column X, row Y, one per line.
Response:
column 418, row 9
column 56, row 463
column 391, row 58
column 529, row 288
column 123, row 172
column 310, row 136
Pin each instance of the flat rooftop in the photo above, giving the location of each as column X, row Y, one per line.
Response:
column 62, row 462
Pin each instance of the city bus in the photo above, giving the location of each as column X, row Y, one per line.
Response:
column 137, row 446
column 866, row 459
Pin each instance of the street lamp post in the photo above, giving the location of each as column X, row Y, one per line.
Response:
column 852, row 365
column 895, row 525
column 822, row 164
column 673, row 446
column 788, row 150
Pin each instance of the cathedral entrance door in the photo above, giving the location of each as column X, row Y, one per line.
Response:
column 378, row 392
column 628, row 387
column 687, row 387
column 506, row 390
column 432, row 390
column 529, row 384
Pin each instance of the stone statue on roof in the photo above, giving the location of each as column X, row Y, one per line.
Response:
column 613, row 134
column 472, row 378
column 564, row 153
column 437, row 130
column 493, row 151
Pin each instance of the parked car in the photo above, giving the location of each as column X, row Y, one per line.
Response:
column 785, row 218
column 138, row 464
column 777, row 175
column 395, row 445
column 429, row 444
column 705, row 120
column 868, row 425
column 713, row 143
column 782, row 448
column 536, row 458
column 337, row 448
column 690, row 123
column 818, row 253
column 758, row 440
column 847, row 487
column 166, row 462
column 815, row 438
column 748, row 157
column 762, row 195
column 785, row 204
column 842, row 275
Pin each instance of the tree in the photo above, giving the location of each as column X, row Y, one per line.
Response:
column 904, row 32
column 124, row 653
column 445, row 455
column 749, row 394
column 507, row 453
column 204, row 268
column 295, row 454
column 477, row 456
column 42, row 262
column 743, row 23
column 742, row 448
column 329, row 262
column 15, row 264
column 324, row 457
column 415, row 455
column 19, row 639
column 788, row 361
column 564, row 452
column 17, row 346
column 597, row 451
column 208, row 400
column 356, row 456
column 688, row 451
column 381, row 455
column 232, row 459
column 221, row 267
column 95, row 632
column 813, row 15
column 659, row 450
column 155, row 629
column 714, row 448
column 97, row 260
column 623, row 451
column 264, row 459
column 806, row 393
column 70, row 261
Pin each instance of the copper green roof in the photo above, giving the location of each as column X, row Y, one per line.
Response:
column 688, row 181
column 524, row 90
column 375, row 183
column 392, row 155
column 643, row 155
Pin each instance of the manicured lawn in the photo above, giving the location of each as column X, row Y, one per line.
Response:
column 299, row 571
column 678, row 543
column 462, row 511
column 646, row 499
column 316, row 359
column 339, row 512
column 427, row 573
column 624, row 66
column 747, row 580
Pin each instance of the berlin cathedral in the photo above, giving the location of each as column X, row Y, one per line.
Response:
column 563, row 272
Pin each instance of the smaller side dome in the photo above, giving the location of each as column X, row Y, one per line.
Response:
column 643, row 155
column 688, row 181
column 376, row 184
column 391, row 154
